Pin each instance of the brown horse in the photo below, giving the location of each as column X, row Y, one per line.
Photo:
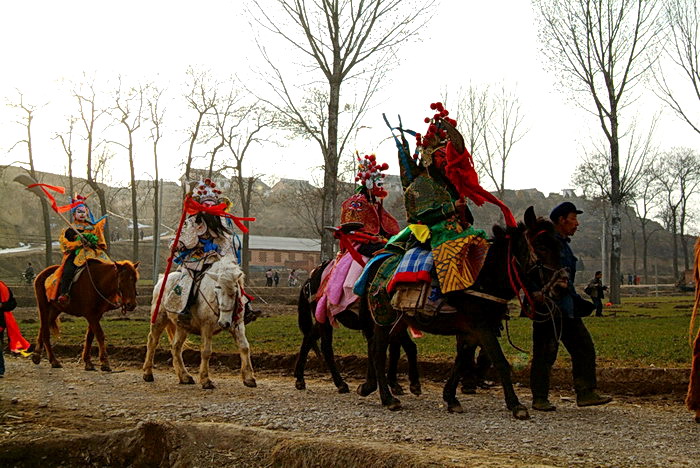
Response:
column 99, row 288
column 692, row 401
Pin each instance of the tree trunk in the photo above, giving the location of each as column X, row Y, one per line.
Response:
column 134, row 205
column 645, row 246
column 330, row 178
column 674, row 231
column 615, row 209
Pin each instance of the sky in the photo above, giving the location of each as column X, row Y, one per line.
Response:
column 47, row 45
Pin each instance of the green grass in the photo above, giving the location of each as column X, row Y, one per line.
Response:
column 644, row 332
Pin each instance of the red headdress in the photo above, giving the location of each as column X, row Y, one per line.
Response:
column 443, row 147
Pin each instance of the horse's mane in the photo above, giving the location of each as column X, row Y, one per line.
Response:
column 696, row 305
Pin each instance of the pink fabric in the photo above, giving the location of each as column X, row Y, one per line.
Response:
column 321, row 300
column 337, row 283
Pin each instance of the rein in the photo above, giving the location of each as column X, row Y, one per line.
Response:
column 516, row 283
column 94, row 286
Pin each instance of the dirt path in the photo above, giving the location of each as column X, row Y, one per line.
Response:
column 39, row 404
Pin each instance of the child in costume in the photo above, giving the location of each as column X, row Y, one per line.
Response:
column 207, row 236
column 365, row 227
column 83, row 241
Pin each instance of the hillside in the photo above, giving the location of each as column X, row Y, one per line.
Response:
column 286, row 209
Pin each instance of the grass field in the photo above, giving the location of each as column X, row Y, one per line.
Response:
column 642, row 332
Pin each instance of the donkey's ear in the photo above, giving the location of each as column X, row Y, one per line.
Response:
column 136, row 265
column 498, row 232
column 530, row 217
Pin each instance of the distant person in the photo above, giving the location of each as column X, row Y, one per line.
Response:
column 637, row 280
column 276, row 277
column 29, row 273
column 595, row 289
column 268, row 277
column 141, row 234
column 292, row 280
column 630, row 279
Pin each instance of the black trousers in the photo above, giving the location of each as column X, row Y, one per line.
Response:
column 576, row 340
column 598, row 303
column 67, row 276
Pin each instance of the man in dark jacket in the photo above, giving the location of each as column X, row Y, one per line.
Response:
column 595, row 289
column 565, row 324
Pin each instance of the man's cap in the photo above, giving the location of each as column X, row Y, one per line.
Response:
column 563, row 209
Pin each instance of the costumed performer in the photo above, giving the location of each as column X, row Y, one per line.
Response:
column 365, row 227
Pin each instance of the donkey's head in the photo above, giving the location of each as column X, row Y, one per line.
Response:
column 547, row 274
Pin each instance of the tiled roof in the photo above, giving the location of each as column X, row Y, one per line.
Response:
column 284, row 243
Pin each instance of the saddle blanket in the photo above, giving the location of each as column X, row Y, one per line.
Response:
column 415, row 267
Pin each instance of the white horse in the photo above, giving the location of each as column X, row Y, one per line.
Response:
column 219, row 306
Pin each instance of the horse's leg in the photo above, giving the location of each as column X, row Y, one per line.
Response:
column 370, row 383
column 411, row 350
column 461, row 364
column 51, row 323
column 205, row 354
column 490, row 344
column 100, row 336
column 468, row 369
column 392, row 368
column 87, row 348
column 307, row 343
column 378, row 347
column 156, row 330
column 176, row 351
column 329, row 357
column 244, row 350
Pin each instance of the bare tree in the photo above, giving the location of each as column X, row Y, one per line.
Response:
column 157, row 114
column 684, row 53
column 240, row 129
column 128, row 111
column 678, row 177
column 67, row 144
column 473, row 112
column 647, row 200
column 347, row 42
column 602, row 49
column 28, row 110
column 503, row 130
column 89, row 114
column 201, row 98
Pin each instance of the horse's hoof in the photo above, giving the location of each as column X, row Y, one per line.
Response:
column 89, row 367
column 250, row 383
column 300, row 385
column 36, row 358
column 521, row 413
column 105, row 368
column 56, row 365
column 415, row 389
column 208, row 385
column 455, row 407
column 364, row 389
column 188, row 381
column 394, row 405
column 396, row 389
column 343, row 388
column 148, row 377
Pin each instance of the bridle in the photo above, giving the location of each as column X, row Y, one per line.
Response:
column 114, row 305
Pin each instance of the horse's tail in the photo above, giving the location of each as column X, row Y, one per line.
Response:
column 306, row 301
column 42, row 300
column 304, row 318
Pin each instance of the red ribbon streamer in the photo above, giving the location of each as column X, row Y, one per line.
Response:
column 192, row 207
column 347, row 238
column 54, row 206
column 169, row 264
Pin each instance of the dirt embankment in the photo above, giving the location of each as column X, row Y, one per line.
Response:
column 69, row 417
